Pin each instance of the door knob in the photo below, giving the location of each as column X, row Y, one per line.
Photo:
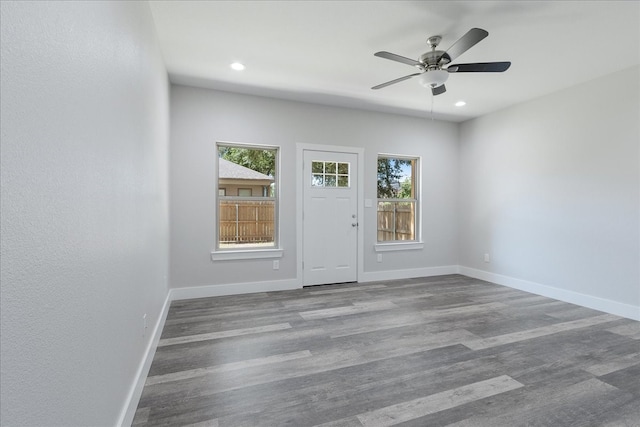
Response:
column 354, row 224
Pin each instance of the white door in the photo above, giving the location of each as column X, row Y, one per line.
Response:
column 330, row 217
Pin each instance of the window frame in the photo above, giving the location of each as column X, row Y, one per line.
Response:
column 400, row 245
column 251, row 252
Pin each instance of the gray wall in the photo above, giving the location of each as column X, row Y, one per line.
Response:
column 200, row 117
column 551, row 190
column 84, row 207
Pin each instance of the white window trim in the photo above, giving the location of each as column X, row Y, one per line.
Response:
column 228, row 255
column 406, row 245
column 219, row 254
column 398, row 246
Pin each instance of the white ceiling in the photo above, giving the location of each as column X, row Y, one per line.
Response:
column 322, row 51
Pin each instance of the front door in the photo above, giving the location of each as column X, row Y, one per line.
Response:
column 330, row 217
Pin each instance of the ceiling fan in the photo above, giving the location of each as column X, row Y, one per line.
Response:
column 434, row 65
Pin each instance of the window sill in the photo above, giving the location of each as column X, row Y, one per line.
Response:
column 397, row 246
column 246, row 254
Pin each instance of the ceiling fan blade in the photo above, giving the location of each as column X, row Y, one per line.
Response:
column 480, row 67
column 438, row 90
column 394, row 57
column 466, row 42
column 380, row 86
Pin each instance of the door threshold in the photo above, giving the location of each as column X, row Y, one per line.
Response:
column 329, row 284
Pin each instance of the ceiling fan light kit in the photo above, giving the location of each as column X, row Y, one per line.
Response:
column 433, row 66
column 433, row 78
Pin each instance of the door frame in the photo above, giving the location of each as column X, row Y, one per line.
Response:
column 359, row 152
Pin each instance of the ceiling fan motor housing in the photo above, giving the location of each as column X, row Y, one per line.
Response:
column 434, row 59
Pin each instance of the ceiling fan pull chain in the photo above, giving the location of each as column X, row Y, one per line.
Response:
column 432, row 97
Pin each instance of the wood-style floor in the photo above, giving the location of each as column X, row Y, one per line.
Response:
column 438, row 351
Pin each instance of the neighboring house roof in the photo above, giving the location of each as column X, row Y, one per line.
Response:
column 230, row 170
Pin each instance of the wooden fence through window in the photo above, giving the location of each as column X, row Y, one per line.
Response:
column 247, row 221
column 396, row 220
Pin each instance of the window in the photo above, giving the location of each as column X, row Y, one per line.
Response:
column 397, row 198
column 247, row 208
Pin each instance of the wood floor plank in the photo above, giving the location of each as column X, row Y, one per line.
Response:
column 344, row 422
column 348, row 310
column 405, row 411
column 623, row 362
column 627, row 378
column 465, row 310
column 630, row 329
column 223, row 334
column 141, row 417
column 193, row 373
column 207, row 423
column 538, row 332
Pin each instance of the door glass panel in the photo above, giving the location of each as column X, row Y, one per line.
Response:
column 330, row 174
column 317, row 167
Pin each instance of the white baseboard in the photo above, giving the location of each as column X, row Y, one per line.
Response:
column 374, row 276
column 129, row 411
column 601, row 304
column 233, row 289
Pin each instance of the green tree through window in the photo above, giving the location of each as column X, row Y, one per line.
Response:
column 390, row 172
column 263, row 161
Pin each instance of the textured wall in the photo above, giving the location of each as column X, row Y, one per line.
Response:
column 200, row 117
column 551, row 190
column 84, row 207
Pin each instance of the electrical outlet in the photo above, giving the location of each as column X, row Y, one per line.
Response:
column 379, row 258
column 276, row 265
column 487, row 258
column 144, row 325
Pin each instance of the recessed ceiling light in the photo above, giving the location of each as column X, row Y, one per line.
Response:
column 460, row 104
column 238, row 66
